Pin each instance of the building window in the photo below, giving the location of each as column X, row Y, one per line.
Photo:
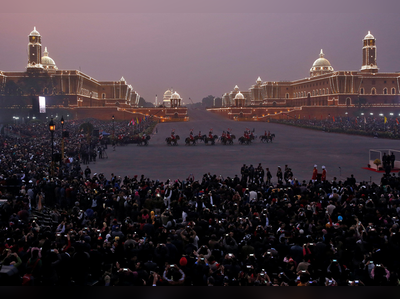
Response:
column 384, row 82
column 385, row 91
column 393, row 90
column 287, row 95
column 103, row 96
column 313, row 92
column 361, row 90
column 373, row 91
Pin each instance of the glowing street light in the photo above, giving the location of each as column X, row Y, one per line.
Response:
column 52, row 128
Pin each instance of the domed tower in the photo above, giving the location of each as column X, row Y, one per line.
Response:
column 34, row 51
column 321, row 66
column 369, row 53
column 47, row 62
column 175, row 100
column 239, row 100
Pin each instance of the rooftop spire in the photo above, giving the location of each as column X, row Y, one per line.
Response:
column 321, row 54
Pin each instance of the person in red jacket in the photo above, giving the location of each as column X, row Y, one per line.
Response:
column 323, row 176
column 314, row 174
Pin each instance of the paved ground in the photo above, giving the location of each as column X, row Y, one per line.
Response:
column 299, row 148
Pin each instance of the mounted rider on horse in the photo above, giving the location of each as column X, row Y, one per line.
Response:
column 191, row 139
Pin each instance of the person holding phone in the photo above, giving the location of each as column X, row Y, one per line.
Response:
column 173, row 275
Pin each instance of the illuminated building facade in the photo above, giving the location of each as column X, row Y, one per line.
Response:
column 325, row 87
column 62, row 88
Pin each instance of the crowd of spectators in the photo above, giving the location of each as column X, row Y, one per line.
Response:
column 251, row 229
column 379, row 126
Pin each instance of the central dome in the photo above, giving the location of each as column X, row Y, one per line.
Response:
column 168, row 93
column 46, row 61
column 321, row 66
column 321, row 61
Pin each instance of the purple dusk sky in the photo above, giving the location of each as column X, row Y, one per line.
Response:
column 200, row 48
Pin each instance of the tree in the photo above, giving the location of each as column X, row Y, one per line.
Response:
column 218, row 102
column 87, row 128
column 143, row 103
column 208, row 101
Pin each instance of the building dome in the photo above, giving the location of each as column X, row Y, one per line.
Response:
column 175, row 96
column 46, row 61
column 239, row 96
column 369, row 36
column 236, row 88
column 321, row 66
column 34, row 32
column 259, row 81
column 168, row 93
column 321, row 61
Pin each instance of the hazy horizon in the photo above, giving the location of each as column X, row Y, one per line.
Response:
column 200, row 50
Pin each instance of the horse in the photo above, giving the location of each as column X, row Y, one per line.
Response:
column 144, row 142
column 189, row 141
column 172, row 142
column 201, row 138
column 243, row 140
column 265, row 138
column 270, row 138
column 226, row 140
column 212, row 140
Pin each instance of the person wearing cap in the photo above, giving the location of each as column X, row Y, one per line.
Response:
column 314, row 174
column 323, row 176
column 269, row 176
column 87, row 172
column 279, row 174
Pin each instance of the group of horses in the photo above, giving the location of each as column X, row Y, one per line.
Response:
column 144, row 141
column 222, row 139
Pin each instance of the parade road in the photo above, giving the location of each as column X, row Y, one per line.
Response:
column 300, row 149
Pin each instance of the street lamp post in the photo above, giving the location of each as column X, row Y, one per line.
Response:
column 52, row 128
column 62, row 139
column 113, row 125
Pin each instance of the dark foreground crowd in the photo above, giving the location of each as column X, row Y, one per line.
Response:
column 253, row 229
column 223, row 232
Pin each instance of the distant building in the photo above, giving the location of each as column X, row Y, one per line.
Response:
column 171, row 99
column 325, row 86
column 62, row 88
